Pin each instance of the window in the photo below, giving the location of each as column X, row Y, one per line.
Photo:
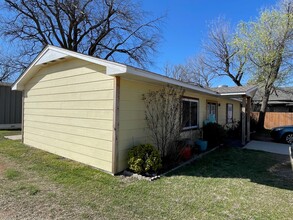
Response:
column 229, row 113
column 190, row 114
column 212, row 111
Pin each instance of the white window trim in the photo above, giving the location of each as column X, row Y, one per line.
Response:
column 197, row 101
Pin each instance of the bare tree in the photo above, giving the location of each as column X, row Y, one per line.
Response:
column 201, row 74
column 225, row 57
column 163, row 116
column 193, row 71
column 110, row 29
column 178, row 72
column 8, row 67
column 269, row 40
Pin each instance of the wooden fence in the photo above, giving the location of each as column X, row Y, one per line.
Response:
column 275, row 119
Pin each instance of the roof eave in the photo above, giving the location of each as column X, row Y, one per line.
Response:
column 111, row 67
column 249, row 93
column 17, row 85
column 156, row 77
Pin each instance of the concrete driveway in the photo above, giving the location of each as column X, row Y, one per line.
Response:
column 271, row 147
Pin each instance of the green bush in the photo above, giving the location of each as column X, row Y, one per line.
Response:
column 214, row 134
column 144, row 158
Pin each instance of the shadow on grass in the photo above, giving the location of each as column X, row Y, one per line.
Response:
column 258, row 167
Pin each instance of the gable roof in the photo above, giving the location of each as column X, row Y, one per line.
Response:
column 52, row 54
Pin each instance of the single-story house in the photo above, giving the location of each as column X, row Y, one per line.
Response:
column 281, row 100
column 10, row 107
column 91, row 110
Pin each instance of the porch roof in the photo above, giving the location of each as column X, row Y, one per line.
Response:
column 236, row 91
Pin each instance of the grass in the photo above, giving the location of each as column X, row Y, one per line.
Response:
column 12, row 174
column 226, row 184
column 28, row 189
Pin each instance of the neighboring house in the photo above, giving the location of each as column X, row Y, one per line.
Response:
column 91, row 110
column 281, row 100
column 10, row 107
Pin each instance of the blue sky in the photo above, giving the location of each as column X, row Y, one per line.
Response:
column 185, row 26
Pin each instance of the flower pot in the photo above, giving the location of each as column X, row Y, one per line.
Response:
column 202, row 145
column 186, row 153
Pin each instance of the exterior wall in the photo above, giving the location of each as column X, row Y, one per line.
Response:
column 203, row 99
column 68, row 111
column 132, row 126
column 10, row 107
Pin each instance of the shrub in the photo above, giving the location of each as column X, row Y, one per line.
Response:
column 233, row 129
column 214, row 134
column 163, row 111
column 144, row 158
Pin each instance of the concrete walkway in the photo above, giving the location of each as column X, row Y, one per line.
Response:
column 14, row 137
column 271, row 147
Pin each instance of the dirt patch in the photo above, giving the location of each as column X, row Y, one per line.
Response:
column 2, row 168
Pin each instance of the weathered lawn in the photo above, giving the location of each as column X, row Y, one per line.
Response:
column 227, row 184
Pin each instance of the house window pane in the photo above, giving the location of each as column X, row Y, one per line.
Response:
column 190, row 113
column 186, row 110
column 193, row 111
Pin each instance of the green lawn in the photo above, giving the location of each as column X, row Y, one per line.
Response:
column 226, row 184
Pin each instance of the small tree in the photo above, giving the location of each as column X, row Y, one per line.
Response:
column 163, row 117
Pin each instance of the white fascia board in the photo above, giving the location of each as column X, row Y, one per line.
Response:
column 233, row 94
column 17, row 84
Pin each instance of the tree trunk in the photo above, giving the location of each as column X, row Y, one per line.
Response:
column 263, row 109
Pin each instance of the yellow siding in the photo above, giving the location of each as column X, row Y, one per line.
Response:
column 68, row 110
column 132, row 126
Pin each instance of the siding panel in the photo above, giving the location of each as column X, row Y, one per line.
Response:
column 71, row 121
column 69, row 111
column 92, row 161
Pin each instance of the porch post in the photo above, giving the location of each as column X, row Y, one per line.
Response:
column 243, row 117
column 248, row 117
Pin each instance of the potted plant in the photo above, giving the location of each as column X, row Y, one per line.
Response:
column 201, row 143
column 185, row 149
